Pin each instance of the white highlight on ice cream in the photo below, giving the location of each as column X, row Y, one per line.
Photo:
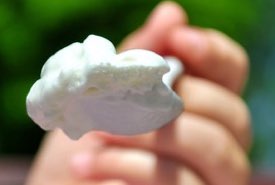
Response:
column 87, row 86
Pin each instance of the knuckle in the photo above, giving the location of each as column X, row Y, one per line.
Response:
column 230, row 159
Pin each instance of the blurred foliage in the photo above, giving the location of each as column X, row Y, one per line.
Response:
column 31, row 31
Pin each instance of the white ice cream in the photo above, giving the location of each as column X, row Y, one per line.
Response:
column 87, row 86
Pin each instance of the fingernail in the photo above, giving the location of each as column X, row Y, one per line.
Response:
column 82, row 165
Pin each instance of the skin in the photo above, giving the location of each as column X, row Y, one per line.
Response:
column 206, row 144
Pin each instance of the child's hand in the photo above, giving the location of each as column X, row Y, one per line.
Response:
column 207, row 144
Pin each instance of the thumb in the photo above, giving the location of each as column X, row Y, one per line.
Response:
column 152, row 34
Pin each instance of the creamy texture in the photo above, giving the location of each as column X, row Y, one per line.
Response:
column 87, row 86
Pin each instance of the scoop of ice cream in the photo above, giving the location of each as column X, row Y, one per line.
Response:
column 87, row 86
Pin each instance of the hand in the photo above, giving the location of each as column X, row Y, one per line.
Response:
column 204, row 145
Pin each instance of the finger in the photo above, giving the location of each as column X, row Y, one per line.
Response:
column 152, row 35
column 136, row 167
column 208, row 99
column 210, row 54
column 199, row 142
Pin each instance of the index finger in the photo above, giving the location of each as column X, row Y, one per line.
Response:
column 210, row 54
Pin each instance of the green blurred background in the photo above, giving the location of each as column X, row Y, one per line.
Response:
column 32, row 30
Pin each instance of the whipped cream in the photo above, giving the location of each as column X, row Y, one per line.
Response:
column 87, row 86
